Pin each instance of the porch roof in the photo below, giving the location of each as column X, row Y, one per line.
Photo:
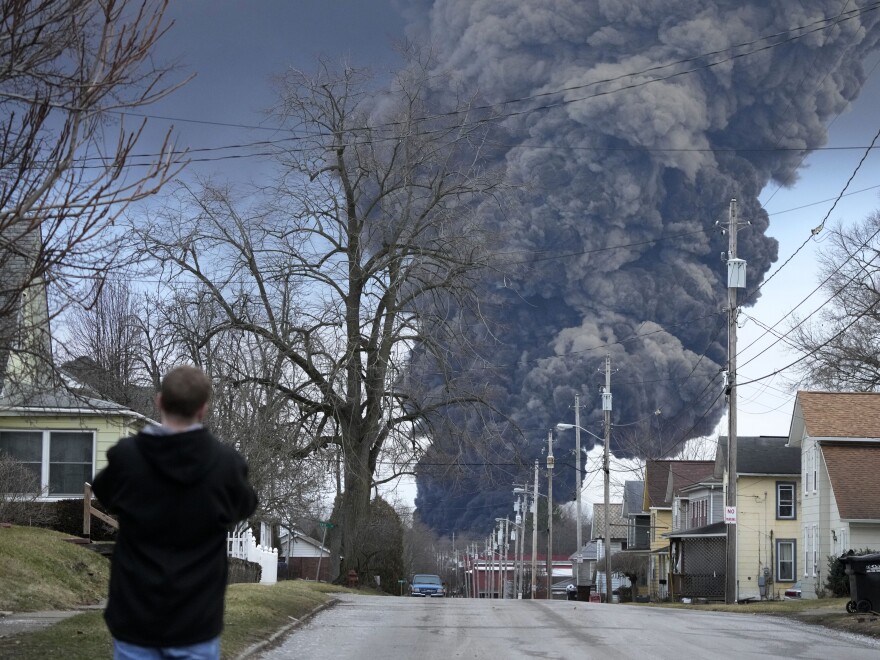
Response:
column 715, row 529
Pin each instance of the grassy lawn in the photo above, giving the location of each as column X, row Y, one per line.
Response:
column 783, row 607
column 40, row 571
column 253, row 613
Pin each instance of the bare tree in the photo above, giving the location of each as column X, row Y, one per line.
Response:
column 839, row 340
column 351, row 259
column 69, row 73
column 19, row 491
column 107, row 347
column 631, row 565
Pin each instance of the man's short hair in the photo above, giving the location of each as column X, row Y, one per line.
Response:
column 184, row 390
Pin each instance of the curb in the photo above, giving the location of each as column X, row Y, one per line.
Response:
column 296, row 623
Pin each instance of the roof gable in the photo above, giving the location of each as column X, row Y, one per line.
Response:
column 840, row 414
column 616, row 523
column 665, row 478
column 853, row 470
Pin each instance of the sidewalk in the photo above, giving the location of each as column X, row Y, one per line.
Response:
column 14, row 623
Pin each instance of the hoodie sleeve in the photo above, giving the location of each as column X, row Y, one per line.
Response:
column 104, row 483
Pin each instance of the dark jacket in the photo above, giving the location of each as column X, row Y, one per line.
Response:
column 176, row 496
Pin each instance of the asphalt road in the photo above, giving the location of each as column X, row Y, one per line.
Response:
column 373, row 627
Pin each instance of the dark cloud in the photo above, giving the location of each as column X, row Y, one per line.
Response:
column 652, row 167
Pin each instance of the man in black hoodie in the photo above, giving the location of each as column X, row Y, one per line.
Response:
column 176, row 491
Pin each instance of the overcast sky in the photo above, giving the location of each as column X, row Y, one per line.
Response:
column 234, row 48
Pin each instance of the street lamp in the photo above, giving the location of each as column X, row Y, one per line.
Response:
column 577, row 467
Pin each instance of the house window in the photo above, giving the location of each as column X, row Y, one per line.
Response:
column 808, row 455
column 815, row 466
column 785, row 503
column 808, row 531
column 62, row 460
column 844, row 540
column 786, row 550
column 815, row 549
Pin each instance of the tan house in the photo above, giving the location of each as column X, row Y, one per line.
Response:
column 838, row 435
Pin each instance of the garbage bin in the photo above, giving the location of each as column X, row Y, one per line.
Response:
column 864, row 582
column 583, row 592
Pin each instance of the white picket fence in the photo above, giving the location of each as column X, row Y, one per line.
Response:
column 243, row 546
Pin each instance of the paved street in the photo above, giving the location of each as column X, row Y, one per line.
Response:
column 363, row 627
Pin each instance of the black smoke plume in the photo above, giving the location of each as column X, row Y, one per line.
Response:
column 624, row 181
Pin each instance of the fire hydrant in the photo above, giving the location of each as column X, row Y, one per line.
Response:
column 353, row 579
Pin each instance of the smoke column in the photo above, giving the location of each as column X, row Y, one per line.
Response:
column 651, row 168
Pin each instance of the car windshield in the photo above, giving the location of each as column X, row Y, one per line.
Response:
column 426, row 579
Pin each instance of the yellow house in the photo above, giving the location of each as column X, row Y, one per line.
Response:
column 46, row 421
column 768, row 515
column 62, row 437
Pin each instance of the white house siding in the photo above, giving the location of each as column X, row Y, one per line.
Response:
column 817, row 504
column 864, row 536
column 758, row 530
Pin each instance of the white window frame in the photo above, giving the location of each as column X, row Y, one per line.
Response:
column 815, row 465
column 844, row 539
column 45, row 459
column 815, row 562
column 806, row 467
column 793, row 544
column 793, row 487
column 808, row 533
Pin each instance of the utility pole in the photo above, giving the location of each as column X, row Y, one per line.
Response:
column 577, row 480
column 506, row 544
column 535, row 535
column 550, row 463
column 606, row 408
column 736, row 278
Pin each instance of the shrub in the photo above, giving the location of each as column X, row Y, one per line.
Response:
column 19, row 490
column 837, row 582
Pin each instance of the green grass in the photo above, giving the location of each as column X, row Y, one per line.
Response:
column 81, row 637
column 253, row 613
column 40, row 571
column 793, row 606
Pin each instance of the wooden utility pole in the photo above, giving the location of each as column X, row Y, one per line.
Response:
column 606, row 408
column 535, row 535
column 735, row 280
column 550, row 463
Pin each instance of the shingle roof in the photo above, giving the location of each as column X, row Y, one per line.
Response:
column 589, row 552
column 841, row 414
column 763, row 454
column 681, row 474
column 715, row 529
column 853, row 470
column 616, row 523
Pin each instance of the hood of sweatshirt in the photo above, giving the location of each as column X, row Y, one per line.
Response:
column 183, row 458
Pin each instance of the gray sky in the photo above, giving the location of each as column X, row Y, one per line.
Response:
column 235, row 47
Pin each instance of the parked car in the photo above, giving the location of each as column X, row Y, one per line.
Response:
column 425, row 586
column 794, row 591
